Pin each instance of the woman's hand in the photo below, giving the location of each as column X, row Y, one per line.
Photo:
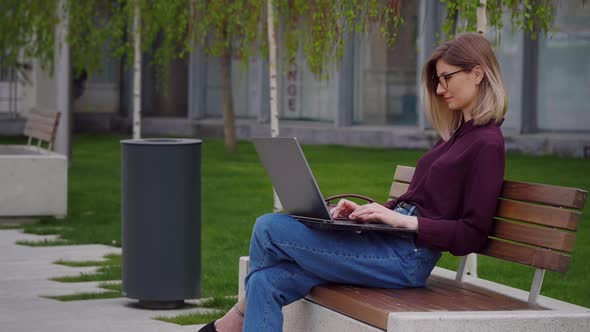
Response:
column 344, row 209
column 378, row 212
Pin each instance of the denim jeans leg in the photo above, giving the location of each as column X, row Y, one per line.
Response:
column 371, row 259
column 271, row 288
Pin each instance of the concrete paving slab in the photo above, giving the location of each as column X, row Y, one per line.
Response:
column 24, row 274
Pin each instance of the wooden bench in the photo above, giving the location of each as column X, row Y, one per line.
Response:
column 42, row 126
column 535, row 225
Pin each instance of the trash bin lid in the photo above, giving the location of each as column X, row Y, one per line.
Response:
column 161, row 141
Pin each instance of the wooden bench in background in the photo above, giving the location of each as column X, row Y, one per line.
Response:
column 535, row 225
column 42, row 126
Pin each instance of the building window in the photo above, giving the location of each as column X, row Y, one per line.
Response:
column 245, row 85
column 564, row 71
column 386, row 77
column 303, row 96
column 99, row 91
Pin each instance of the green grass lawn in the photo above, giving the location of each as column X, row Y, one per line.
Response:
column 236, row 190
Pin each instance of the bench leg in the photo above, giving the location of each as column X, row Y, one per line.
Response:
column 536, row 286
column 471, row 265
column 242, row 273
column 467, row 265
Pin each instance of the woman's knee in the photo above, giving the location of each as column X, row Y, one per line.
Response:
column 259, row 283
column 263, row 224
column 256, row 279
column 284, row 282
column 271, row 223
column 266, row 219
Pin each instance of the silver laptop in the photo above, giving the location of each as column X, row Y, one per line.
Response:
column 298, row 190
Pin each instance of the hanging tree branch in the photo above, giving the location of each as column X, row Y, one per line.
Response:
column 531, row 16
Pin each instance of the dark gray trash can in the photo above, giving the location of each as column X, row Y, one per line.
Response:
column 161, row 212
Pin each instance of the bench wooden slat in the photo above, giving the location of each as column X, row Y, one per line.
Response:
column 544, row 194
column 499, row 300
column 373, row 305
column 333, row 297
column 539, row 214
column 479, row 299
column 539, row 236
column 48, row 119
column 403, row 174
column 432, row 298
column 398, row 189
column 40, row 127
column 533, row 256
column 39, row 134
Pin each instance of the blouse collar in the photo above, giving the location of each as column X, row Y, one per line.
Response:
column 468, row 126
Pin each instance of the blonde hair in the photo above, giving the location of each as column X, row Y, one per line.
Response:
column 465, row 51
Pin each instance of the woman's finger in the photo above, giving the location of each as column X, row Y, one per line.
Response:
column 336, row 211
column 344, row 208
column 361, row 214
column 363, row 209
column 366, row 217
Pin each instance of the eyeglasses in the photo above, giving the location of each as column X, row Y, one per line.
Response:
column 444, row 79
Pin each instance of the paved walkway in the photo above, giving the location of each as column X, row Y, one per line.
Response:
column 24, row 274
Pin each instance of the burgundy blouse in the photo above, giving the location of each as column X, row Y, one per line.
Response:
column 456, row 187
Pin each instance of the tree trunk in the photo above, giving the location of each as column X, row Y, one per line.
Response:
column 273, row 85
column 137, row 75
column 482, row 27
column 229, row 129
column 482, row 21
column 63, row 89
column 272, row 62
column 456, row 20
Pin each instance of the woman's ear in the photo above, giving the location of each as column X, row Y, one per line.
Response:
column 479, row 74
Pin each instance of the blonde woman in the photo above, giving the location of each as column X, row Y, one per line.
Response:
column 450, row 202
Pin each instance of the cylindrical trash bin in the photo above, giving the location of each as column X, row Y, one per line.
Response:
column 161, row 220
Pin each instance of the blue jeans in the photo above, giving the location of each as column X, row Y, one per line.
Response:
column 288, row 259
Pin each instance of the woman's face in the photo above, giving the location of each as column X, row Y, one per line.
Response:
column 460, row 89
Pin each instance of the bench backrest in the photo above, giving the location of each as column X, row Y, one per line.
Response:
column 42, row 126
column 535, row 224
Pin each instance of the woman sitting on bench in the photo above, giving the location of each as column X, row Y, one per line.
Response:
column 450, row 202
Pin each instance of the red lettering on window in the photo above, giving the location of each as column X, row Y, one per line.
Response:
column 292, row 88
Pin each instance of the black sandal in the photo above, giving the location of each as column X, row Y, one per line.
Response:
column 210, row 327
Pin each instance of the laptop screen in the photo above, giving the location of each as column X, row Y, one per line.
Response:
column 291, row 176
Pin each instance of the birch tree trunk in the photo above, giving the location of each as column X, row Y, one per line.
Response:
column 482, row 21
column 63, row 85
column 482, row 27
column 274, row 101
column 137, row 74
column 229, row 129
column 272, row 61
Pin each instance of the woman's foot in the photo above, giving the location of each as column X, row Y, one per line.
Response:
column 210, row 327
column 232, row 321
